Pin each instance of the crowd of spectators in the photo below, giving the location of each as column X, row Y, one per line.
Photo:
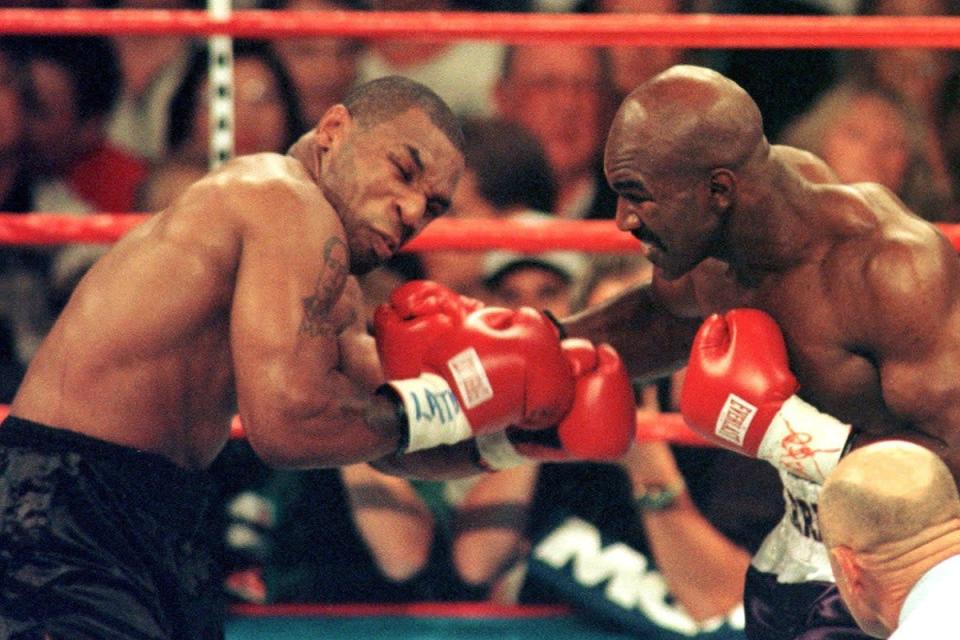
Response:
column 119, row 124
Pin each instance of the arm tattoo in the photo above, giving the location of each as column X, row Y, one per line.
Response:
column 328, row 289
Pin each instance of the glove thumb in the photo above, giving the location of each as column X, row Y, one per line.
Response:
column 581, row 354
column 752, row 326
column 609, row 361
column 713, row 338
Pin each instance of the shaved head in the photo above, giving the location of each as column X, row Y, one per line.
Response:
column 886, row 492
column 689, row 119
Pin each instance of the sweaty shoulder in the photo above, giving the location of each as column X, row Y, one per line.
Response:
column 805, row 163
column 266, row 185
column 266, row 198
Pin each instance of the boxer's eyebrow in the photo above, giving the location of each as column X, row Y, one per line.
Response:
column 631, row 189
column 437, row 204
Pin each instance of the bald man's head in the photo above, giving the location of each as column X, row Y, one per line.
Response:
column 886, row 492
column 689, row 118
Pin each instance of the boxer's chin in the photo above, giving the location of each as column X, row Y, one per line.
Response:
column 672, row 266
column 670, row 271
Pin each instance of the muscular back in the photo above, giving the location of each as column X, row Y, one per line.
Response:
column 143, row 354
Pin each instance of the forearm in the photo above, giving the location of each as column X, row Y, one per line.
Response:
column 704, row 570
column 395, row 523
column 652, row 341
column 490, row 532
column 343, row 425
column 485, row 554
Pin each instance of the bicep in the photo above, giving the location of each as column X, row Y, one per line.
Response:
column 919, row 382
column 914, row 332
column 282, row 327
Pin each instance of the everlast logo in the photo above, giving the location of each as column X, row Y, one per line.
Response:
column 734, row 419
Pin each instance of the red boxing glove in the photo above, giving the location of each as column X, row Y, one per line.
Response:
column 497, row 368
column 599, row 426
column 740, row 394
column 417, row 313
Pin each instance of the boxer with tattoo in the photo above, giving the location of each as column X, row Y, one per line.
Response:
column 241, row 297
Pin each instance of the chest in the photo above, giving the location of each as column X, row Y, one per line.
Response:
column 834, row 373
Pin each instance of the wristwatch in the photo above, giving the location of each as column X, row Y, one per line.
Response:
column 659, row 497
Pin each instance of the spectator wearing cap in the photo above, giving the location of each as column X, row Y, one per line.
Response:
column 550, row 280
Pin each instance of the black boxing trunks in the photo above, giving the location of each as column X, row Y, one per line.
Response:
column 101, row 541
column 789, row 592
column 804, row 611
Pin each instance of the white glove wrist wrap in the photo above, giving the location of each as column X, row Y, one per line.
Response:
column 434, row 416
column 804, row 441
column 498, row 453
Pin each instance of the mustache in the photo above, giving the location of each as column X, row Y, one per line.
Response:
column 644, row 234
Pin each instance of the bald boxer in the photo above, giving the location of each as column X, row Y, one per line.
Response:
column 890, row 518
column 866, row 294
column 242, row 297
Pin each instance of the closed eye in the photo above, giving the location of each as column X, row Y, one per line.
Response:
column 436, row 207
column 405, row 174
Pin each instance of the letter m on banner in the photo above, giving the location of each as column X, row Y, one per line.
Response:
column 614, row 582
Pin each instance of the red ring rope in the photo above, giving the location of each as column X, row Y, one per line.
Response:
column 676, row 30
column 458, row 234
column 461, row 234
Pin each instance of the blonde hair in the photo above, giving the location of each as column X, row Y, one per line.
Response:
column 886, row 492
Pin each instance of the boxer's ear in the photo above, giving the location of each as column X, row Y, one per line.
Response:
column 846, row 570
column 332, row 126
column 723, row 186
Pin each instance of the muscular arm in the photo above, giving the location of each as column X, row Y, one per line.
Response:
column 303, row 365
column 652, row 340
column 704, row 569
column 911, row 329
